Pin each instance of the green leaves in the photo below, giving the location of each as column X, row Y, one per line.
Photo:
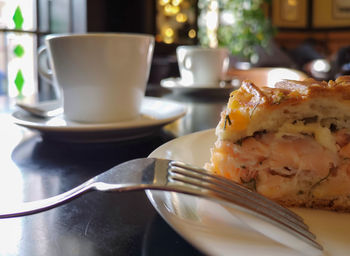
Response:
column 251, row 28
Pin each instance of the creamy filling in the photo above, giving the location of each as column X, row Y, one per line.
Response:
column 297, row 160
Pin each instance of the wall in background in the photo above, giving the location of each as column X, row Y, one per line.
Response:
column 324, row 23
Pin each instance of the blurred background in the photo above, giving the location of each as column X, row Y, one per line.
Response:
column 308, row 35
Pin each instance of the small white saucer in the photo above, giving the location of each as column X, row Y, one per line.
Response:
column 178, row 86
column 155, row 113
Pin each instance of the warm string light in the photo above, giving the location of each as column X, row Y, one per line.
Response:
column 168, row 35
column 172, row 16
column 181, row 17
column 192, row 33
column 163, row 2
column 176, row 2
column 171, row 10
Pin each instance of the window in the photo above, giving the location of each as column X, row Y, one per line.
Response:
column 18, row 43
column 23, row 25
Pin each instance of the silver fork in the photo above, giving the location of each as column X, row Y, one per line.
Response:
column 168, row 175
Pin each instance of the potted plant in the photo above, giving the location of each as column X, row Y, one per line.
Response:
column 239, row 25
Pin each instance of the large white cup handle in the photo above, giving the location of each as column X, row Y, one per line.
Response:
column 43, row 65
column 45, row 70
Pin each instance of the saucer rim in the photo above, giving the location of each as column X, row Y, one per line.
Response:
column 176, row 80
column 72, row 126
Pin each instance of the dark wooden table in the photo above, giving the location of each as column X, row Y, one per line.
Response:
column 97, row 223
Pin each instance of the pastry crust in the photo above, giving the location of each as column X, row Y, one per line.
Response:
column 252, row 109
column 290, row 143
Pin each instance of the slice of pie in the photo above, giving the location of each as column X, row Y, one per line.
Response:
column 290, row 143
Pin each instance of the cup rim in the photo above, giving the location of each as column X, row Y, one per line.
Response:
column 98, row 35
column 201, row 48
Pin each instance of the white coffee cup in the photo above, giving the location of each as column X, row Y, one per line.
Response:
column 102, row 77
column 200, row 66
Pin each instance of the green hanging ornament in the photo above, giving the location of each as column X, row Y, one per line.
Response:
column 18, row 18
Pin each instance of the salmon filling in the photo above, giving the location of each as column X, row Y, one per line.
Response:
column 286, row 166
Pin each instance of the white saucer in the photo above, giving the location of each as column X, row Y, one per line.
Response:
column 178, row 86
column 216, row 230
column 155, row 113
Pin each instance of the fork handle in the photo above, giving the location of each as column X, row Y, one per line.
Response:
column 28, row 208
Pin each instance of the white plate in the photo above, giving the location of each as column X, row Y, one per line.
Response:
column 177, row 86
column 216, row 231
column 155, row 113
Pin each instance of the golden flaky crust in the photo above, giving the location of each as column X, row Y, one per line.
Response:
column 253, row 108
column 291, row 92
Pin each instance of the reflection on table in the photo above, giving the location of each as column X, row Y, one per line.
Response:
column 96, row 223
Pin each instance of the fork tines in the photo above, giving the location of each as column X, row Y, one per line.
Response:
column 243, row 198
column 226, row 184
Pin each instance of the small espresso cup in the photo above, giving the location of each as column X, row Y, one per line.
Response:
column 102, row 77
column 200, row 66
